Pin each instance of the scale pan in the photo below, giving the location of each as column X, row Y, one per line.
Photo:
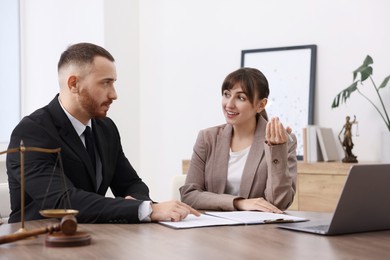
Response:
column 58, row 213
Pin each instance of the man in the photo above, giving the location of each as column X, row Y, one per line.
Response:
column 77, row 179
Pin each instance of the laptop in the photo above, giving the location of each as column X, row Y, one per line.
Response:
column 364, row 204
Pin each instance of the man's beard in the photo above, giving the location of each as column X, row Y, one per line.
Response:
column 90, row 105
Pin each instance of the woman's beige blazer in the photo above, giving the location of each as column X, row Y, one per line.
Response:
column 270, row 171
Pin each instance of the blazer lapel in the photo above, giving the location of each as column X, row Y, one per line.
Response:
column 221, row 160
column 69, row 135
column 254, row 158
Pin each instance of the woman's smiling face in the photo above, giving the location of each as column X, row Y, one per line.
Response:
column 237, row 108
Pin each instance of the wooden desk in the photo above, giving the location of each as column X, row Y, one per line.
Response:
column 154, row 241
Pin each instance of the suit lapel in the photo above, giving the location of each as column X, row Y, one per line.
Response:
column 254, row 158
column 70, row 137
column 221, row 160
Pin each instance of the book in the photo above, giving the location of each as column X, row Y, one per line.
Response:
column 304, row 138
column 313, row 150
column 327, row 144
column 230, row 218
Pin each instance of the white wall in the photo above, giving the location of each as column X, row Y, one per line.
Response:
column 9, row 69
column 121, row 39
column 188, row 47
column 47, row 28
column 46, row 32
column 172, row 57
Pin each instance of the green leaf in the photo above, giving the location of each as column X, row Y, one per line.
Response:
column 365, row 73
column 359, row 70
column 364, row 69
column 368, row 60
column 384, row 83
column 336, row 101
column 344, row 95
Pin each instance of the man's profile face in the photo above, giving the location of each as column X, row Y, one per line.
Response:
column 97, row 91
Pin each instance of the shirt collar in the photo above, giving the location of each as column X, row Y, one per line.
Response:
column 78, row 126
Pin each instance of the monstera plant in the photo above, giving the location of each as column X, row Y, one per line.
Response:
column 362, row 75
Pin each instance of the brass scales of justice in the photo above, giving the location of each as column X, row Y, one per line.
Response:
column 65, row 233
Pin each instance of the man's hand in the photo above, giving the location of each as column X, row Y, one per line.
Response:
column 171, row 211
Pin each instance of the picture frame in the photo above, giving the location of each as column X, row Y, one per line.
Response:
column 291, row 75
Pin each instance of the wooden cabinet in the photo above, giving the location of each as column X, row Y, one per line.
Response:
column 319, row 185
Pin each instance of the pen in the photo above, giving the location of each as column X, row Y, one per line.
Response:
column 279, row 220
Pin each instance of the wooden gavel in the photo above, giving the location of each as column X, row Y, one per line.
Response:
column 67, row 226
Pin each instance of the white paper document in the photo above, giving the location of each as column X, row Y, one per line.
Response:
column 204, row 220
column 228, row 218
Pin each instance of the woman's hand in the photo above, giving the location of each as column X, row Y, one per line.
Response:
column 276, row 133
column 259, row 204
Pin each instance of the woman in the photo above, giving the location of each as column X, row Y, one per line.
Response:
column 248, row 163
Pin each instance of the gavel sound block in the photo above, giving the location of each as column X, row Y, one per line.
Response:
column 66, row 234
column 69, row 236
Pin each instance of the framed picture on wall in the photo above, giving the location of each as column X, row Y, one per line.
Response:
column 290, row 72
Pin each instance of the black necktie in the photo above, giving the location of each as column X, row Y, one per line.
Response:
column 90, row 145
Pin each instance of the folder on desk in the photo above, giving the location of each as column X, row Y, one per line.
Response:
column 230, row 218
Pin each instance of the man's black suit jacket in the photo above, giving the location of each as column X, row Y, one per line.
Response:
column 49, row 127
